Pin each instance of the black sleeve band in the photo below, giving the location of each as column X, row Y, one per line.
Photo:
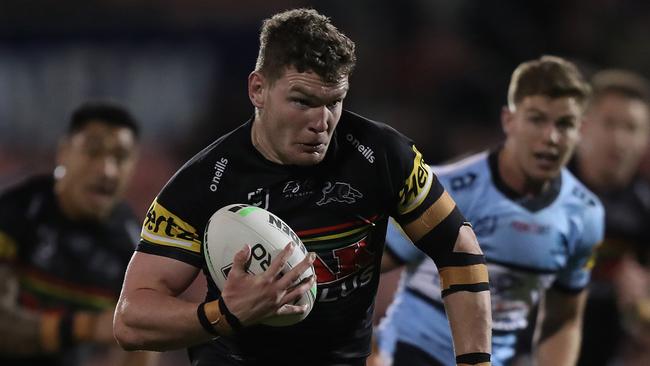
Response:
column 475, row 287
column 232, row 320
column 473, row 358
column 66, row 336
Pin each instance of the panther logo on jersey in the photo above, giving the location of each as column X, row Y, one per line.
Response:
column 339, row 192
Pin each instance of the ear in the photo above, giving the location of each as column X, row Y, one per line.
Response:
column 506, row 119
column 62, row 151
column 256, row 88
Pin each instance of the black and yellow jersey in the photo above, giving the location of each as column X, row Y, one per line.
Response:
column 62, row 265
column 339, row 208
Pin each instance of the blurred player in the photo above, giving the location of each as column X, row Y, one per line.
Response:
column 65, row 242
column 535, row 222
column 334, row 177
column 615, row 137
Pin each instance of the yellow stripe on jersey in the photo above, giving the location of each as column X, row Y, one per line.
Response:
column 164, row 228
column 335, row 236
column 416, row 186
column 430, row 218
column 7, row 247
column 464, row 275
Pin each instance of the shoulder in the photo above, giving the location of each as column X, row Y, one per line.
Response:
column 577, row 195
column 467, row 172
column 204, row 171
column 357, row 130
column 21, row 195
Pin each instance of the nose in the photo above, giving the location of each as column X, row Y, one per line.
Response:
column 109, row 167
column 552, row 135
column 320, row 120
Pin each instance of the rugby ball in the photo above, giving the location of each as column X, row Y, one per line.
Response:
column 232, row 227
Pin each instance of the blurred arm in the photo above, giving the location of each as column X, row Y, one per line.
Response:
column 559, row 330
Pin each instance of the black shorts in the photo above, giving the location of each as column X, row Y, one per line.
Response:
column 409, row 355
column 215, row 353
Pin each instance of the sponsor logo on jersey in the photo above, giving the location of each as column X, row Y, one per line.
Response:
column 297, row 188
column 259, row 198
column 342, row 271
column 164, row 228
column 530, row 227
column 219, row 170
column 462, row 182
column 339, row 192
column 366, row 151
column 416, row 186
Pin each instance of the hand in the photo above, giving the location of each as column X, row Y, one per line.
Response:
column 252, row 298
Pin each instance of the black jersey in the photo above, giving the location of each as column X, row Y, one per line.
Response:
column 62, row 265
column 339, row 208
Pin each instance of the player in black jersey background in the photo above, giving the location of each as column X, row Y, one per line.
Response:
column 334, row 177
column 615, row 137
column 65, row 241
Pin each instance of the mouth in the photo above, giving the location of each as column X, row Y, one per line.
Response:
column 547, row 160
column 315, row 147
column 103, row 191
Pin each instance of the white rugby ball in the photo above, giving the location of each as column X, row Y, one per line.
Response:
column 232, row 227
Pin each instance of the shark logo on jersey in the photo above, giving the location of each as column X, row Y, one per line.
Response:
column 339, row 192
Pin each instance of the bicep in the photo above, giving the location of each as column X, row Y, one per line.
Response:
column 159, row 273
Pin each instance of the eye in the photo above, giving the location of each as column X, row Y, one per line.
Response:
column 566, row 124
column 301, row 102
column 536, row 119
column 334, row 104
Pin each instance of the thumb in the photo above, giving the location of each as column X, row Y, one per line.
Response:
column 241, row 260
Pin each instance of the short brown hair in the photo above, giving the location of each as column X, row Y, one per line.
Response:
column 551, row 76
column 306, row 40
column 622, row 82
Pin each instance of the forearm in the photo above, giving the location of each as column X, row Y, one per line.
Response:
column 151, row 320
column 560, row 348
column 470, row 317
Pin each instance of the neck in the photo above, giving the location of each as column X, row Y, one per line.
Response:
column 516, row 179
column 262, row 144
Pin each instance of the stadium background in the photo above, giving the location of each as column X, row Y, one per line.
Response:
column 436, row 70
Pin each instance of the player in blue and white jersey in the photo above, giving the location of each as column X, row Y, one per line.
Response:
column 535, row 222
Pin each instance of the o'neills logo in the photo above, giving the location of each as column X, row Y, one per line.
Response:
column 219, row 168
column 366, row 151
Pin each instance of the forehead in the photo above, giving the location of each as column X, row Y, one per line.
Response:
column 101, row 133
column 309, row 82
column 567, row 105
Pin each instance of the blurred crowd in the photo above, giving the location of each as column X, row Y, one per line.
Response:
column 435, row 70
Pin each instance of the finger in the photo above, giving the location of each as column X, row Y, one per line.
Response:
column 287, row 309
column 294, row 274
column 295, row 293
column 280, row 260
column 240, row 261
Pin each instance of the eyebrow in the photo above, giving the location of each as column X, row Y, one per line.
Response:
column 300, row 89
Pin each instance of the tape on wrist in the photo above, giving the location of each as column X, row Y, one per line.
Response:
column 205, row 322
column 474, row 358
column 231, row 319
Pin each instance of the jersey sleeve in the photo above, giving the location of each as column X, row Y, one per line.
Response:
column 173, row 225
column 575, row 276
column 423, row 207
column 11, row 210
column 399, row 245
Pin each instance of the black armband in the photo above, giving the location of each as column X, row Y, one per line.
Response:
column 474, row 358
column 66, row 330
